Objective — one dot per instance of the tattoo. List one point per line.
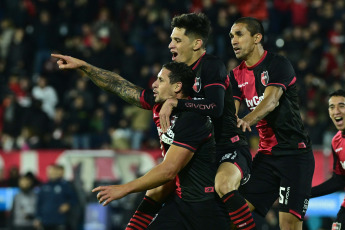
(114, 83)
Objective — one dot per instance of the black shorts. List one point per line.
(177, 214)
(287, 177)
(241, 157)
(339, 223)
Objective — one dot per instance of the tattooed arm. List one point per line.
(106, 80)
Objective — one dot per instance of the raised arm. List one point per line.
(106, 80)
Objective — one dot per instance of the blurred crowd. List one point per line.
(43, 107)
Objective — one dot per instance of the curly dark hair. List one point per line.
(197, 25)
(181, 72)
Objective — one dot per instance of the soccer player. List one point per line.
(212, 97)
(336, 109)
(188, 148)
(284, 165)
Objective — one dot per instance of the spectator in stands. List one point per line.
(54, 201)
(47, 94)
(24, 205)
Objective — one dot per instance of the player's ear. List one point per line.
(197, 44)
(177, 87)
(257, 38)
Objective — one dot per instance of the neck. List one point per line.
(255, 56)
(196, 55)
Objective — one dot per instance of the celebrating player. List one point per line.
(284, 165)
(336, 109)
(213, 97)
(188, 148)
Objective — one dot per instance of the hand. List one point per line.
(64, 208)
(244, 124)
(165, 112)
(109, 193)
(67, 62)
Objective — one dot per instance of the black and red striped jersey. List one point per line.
(213, 97)
(281, 131)
(195, 182)
(338, 149)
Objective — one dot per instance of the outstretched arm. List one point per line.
(335, 183)
(175, 160)
(106, 80)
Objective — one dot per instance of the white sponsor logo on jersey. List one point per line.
(339, 149)
(243, 84)
(251, 104)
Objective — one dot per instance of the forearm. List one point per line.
(157, 176)
(335, 183)
(113, 83)
(261, 111)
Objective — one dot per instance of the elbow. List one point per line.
(170, 172)
(271, 106)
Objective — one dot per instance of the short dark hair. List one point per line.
(339, 92)
(181, 72)
(195, 24)
(254, 26)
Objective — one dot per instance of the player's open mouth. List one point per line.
(174, 55)
(339, 120)
(237, 50)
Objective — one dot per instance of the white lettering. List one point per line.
(251, 104)
(240, 86)
(342, 164)
(339, 149)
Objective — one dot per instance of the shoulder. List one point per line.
(211, 60)
(275, 59)
(337, 137)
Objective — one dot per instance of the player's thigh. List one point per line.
(296, 172)
(262, 188)
(168, 218)
(234, 162)
(289, 221)
(205, 215)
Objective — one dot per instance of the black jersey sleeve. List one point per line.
(281, 73)
(237, 94)
(214, 83)
(191, 130)
(147, 99)
(335, 183)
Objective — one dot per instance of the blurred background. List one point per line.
(60, 119)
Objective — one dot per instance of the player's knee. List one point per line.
(290, 222)
(224, 185)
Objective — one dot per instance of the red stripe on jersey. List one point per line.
(261, 59)
(216, 84)
(293, 81)
(143, 103)
(295, 213)
(239, 169)
(187, 146)
(238, 98)
(227, 82)
(277, 84)
(178, 190)
(196, 64)
(267, 137)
